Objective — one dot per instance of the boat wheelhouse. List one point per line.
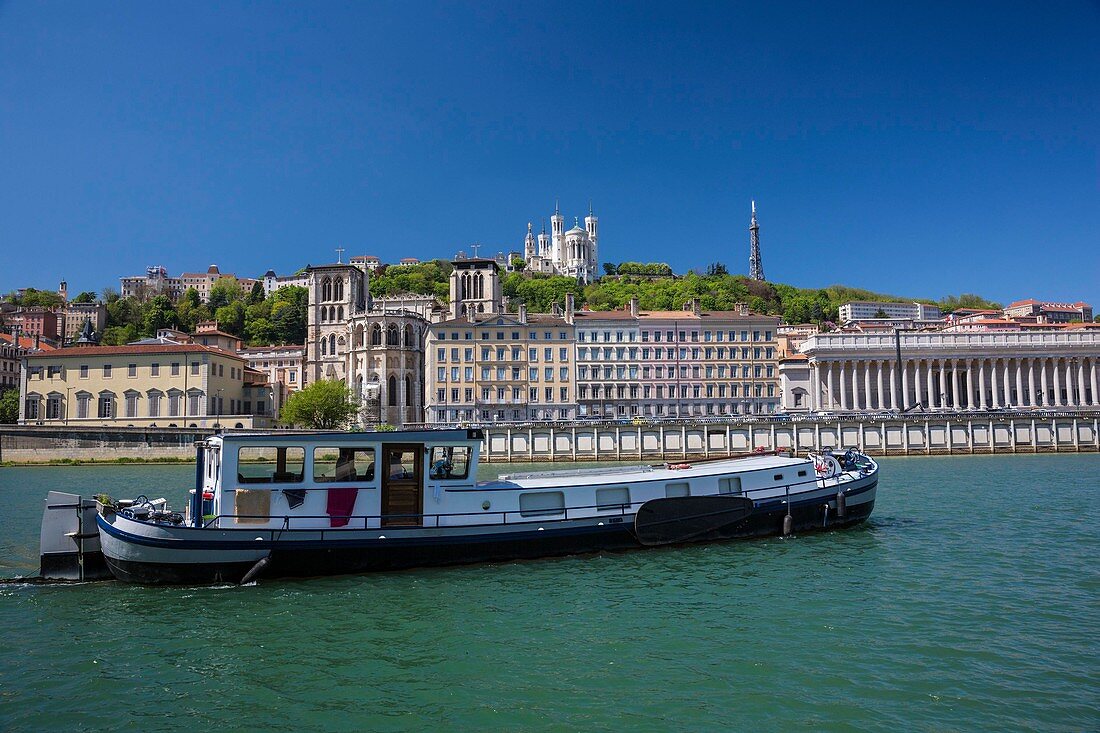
(300, 504)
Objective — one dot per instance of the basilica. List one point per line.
(572, 253)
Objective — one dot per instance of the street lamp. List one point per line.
(218, 412)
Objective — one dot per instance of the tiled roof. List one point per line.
(138, 349)
(27, 342)
(199, 334)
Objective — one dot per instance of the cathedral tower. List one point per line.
(475, 288)
(529, 250)
(557, 232)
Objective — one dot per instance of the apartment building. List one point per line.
(173, 385)
(507, 367)
(484, 364)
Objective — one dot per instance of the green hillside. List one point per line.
(715, 291)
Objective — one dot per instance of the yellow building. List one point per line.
(143, 385)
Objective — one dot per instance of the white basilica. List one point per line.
(572, 253)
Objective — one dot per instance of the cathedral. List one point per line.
(571, 253)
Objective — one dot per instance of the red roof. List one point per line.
(139, 349)
(27, 342)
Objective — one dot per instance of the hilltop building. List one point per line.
(573, 253)
(1047, 312)
(865, 310)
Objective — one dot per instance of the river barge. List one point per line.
(305, 504)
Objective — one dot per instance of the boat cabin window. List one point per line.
(680, 488)
(402, 464)
(777, 477)
(801, 473)
(271, 465)
(541, 503)
(616, 498)
(342, 464)
(729, 485)
(450, 462)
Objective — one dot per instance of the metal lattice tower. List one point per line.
(756, 267)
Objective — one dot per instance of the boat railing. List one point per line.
(595, 471)
(612, 511)
(615, 513)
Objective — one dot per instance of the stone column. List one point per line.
(1080, 366)
(881, 396)
(931, 383)
(815, 385)
(993, 382)
(918, 398)
(1032, 387)
(969, 383)
(956, 396)
(832, 395)
(853, 401)
(1057, 401)
(1092, 370)
(843, 386)
(867, 385)
(943, 384)
(1019, 383)
(981, 385)
(1070, 400)
(1044, 396)
(893, 389)
(904, 385)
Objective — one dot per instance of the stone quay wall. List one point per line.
(34, 444)
(924, 434)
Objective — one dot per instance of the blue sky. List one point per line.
(916, 149)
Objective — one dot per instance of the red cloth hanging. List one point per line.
(341, 503)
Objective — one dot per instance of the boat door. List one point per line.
(402, 485)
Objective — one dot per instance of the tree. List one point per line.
(119, 335)
(224, 292)
(9, 407)
(610, 269)
(519, 264)
(880, 313)
(159, 314)
(260, 332)
(231, 317)
(257, 295)
(86, 297)
(324, 405)
(32, 298)
(717, 268)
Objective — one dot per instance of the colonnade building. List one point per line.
(1054, 368)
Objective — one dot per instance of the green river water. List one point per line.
(970, 601)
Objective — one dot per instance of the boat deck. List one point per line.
(620, 474)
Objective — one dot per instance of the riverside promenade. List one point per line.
(915, 434)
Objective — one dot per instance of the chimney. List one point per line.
(523, 313)
(570, 306)
(634, 306)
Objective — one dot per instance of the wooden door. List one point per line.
(402, 485)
